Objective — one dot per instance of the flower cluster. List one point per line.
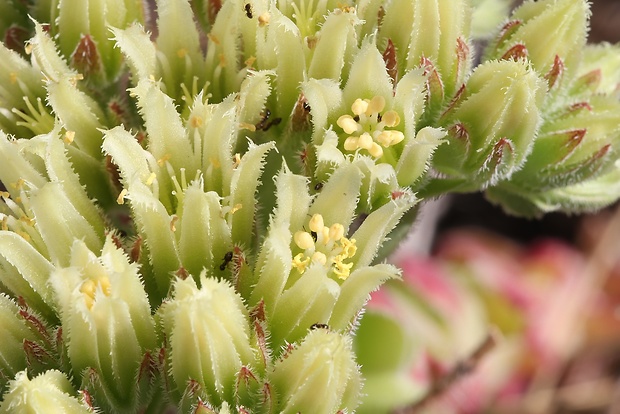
(196, 207)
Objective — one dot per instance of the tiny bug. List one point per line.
(227, 258)
(319, 326)
(248, 10)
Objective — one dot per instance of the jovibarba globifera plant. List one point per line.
(195, 208)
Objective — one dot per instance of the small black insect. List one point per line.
(319, 326)
(263, 121)
(274, 121)
(248, 10)
(227, 258)
(314, 235)
(318, 186)
(356, 118)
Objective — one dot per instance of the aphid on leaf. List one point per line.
(319, 326)
(227, 258)
(248, 10)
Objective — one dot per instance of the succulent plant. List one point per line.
(196, 207)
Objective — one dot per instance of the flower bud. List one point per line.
(599, 70)
(491, 123)
(318, 376)
(575, 146)
(50, 392)
(106, 318)
(208, 333)
(434, 33)
(15, 332)
(544, 31)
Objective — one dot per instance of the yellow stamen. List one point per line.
(299, 263)
(196, 121)
(303, 240)
(89, 289)
(151, 178)
(163, 160)
(336, 231)
(391, 119)
(263, 19)
(359, 107)
(348, 124)
(376, 105)
(69, 137)
(121, 197)
(173, 220)
(316, 223)
(376, 150)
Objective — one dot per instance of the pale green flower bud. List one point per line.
(208, 334)
(50, 392)
(82, 29)
(574, 146)
(433, 34)
(491, 124)
(544, 31)
(599, 70)
(318, 376)
(106, 319)
(14, 333)
(586, 196)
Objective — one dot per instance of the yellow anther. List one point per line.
(365, 141)
(222, 58)
(348, 124)
(376, 105)
(359, 107)
(173, 221)
(181, 53)
(28, 48)
(316, 223)
(213, 38)
(215, 162)
(250, 61)
(5, 194)
(89, 289)
(163, 160)
(196, 121)
(249, 127)
(263, 19)
(336, 231)
(69, 137)
(324, 235)
(303, 240)
(235, 208)
(121, 197)
(348, 248)
(390, 119)
(375, 150)
(350, 144)
(342, 270)
(18, 184)
(319, 257)
(236, 160)
(151, 178)
(299, 263)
